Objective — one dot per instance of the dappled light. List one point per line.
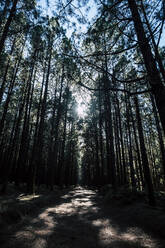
(79, 219)
(134, 236)
(82, 124)
(81, 110)
(23, 197)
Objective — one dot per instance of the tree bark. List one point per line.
(156, 85)
(7, 25)
(162, 148)
(145, 162)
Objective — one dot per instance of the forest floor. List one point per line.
(79, 218)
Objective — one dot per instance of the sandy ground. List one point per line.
(79, 220)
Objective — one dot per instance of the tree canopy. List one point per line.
(82, 94)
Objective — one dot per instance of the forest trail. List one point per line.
(79, 220)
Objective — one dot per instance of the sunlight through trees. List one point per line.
(82, 91)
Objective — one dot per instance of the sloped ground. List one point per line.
(78, 219)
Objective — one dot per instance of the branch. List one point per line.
(102, 70)
(161, 31)
(106, 8)
(109, 8)
(140, 92)
(99, 53)
(115, 89)
(102, 89)
(64, 7)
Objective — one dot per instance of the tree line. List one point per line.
(118, 61)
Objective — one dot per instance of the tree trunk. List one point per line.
(101, 139)
(145, 162)
(109, 135)
(124, 177)
(156, 85)
(157, 55)
(54, 153)
(162, 148)
(2, 89)
(10, 91)
(7, 25)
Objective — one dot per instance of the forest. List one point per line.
(82, 99)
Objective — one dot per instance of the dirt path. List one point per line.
(79, 220)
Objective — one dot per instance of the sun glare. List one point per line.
(81, 109)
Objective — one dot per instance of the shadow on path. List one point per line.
(79, 220)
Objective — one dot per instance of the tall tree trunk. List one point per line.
(101, 139)
(162, 148)
(117, 147)
(61, 164)
(7, 25)
(137, 149)
(157, 86)
(123, 167)
(97, 162)
(10, 91)
(157, 55)
(130, 143)
(4, 12)
(38, 159)
(24, 144)
(52, 130)
(2, 89)
(145, 162)
(31, 183)
(54, 155)
(110, 135)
